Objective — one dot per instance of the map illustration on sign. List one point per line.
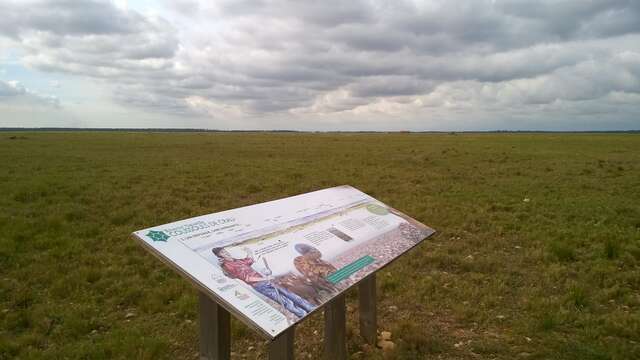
(273, 263)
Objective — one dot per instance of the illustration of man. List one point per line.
(241, 269)
(311, 265)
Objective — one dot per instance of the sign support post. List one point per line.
(281, 348)
(335, 329)
(368, 318)
(215, 334)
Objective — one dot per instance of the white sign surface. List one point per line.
(274, 263)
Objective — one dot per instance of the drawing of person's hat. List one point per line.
(304, 248)
(241, 296)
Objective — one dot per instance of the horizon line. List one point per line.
(116, 129)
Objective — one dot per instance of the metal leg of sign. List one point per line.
(281, 348)
(215, 334)
(335, 330)
(368, 319)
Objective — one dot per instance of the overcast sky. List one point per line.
(321, 65)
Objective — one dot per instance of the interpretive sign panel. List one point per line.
(272, 264)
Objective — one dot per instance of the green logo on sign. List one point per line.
(377, 209)
(157, 235)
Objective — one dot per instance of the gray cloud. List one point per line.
(325, 14)
(276, 58)
(578, 19)
(68, 17)
(91, 38)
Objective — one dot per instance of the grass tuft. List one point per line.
(611, 249)
(578, 298)
(562, 251)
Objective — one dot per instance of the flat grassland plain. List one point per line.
(537, 254)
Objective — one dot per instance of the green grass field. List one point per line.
(537, 254)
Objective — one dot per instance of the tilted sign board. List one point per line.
(272, 264)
